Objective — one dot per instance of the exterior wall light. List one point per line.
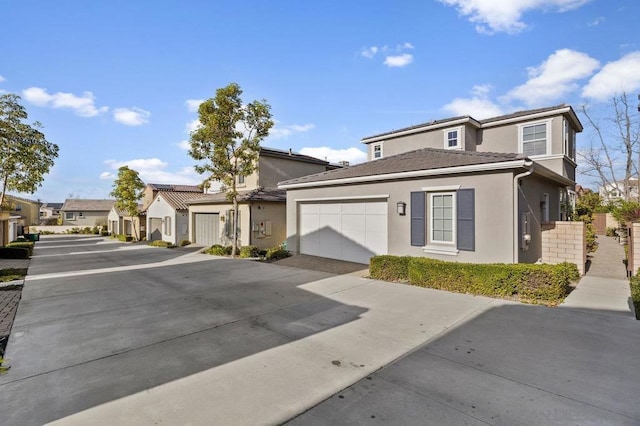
(401, 208)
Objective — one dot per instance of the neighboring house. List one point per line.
(612, 192)
(262, 220)
(120, 223)
(27, 211)
(85, 212)
(457, 189)
(167, 216)
(50, 211)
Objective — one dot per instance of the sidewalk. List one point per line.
(605, 287)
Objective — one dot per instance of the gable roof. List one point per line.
(279, 153)
(166, 187)
(123, 213)
(24, 200)
(259, 194)
(54, 206)
(177, 199)
(87, 205)
(413, 161)
(487, 122)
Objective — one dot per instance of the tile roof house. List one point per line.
(261, 220)
(85, 212)
(49, 211)
(167, 215)
(455, 189)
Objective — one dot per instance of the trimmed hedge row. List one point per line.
(24, 244)
(634, 283)
(273, 253)
(546, 284)
(14, 253)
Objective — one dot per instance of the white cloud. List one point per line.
(614, 78)
(478, 106)
(2, 79)
(279, 132)
(352, 155)
(154, 170)
(492, 16)
(193, 125)
(599, 20)
(369, 52)
(404, 46)
(193, 104)
(185, 145)
(83, 106)
(398, 61)
(131, 116)
(555, 77)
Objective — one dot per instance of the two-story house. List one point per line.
(49, 213)
(85, 212)
(455, 189)
(262, 219)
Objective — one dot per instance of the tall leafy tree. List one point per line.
(227, 143)
(128, 189)
(25, 154)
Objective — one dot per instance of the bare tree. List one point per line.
(610, 157)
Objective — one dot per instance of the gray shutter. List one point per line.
(418, 229)
(466, 220)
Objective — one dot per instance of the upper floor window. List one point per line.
(240, 179)
(452, 139)
(18, 207)
(569, 141)
(534, 139)
(377, 151)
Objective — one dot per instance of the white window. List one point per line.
(569, 141)
(377, 151)
(452, 139)
(167, 225)
(442, 206)
(69, 216)
(535, 139)
(18, 207)
(240, 179)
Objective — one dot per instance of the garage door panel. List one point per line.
(353, 231)
(206, 228)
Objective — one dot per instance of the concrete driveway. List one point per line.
(122, 334)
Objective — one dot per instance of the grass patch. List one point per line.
(160, 243)
(11, 274)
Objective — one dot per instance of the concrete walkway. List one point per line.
(605, 287)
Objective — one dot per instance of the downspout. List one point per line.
(516, 179)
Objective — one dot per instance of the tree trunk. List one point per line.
(4, 189)
(234, 243)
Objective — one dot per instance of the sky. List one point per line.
(118, 82)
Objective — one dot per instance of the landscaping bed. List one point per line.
(634, 283)
(529, 283)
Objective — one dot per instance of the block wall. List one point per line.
(564, 242)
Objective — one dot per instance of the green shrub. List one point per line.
(74, 231)
(184, 243)
(217, 250)
(124, 238)
(611, 232)
(634, 283)
(26, 244)
(104, 233)
(161, 243)
(389, 268)
(11, 274)
(276, 253)
(547, 284)
(249, 251)
(14, 253)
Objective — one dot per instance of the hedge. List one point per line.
(124, 238)
(249, 251)
(14, 253)
(25, 244)
(533, 283)
(634, 283)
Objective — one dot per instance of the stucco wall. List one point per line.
(221, 209)
(179, 221)
(493, 213)
(565, 242)
(89, 219)
(274, 169)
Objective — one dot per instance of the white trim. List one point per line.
(357, 197)
(445, 134)
(421, 129)
(416, 173)
(454, 219)
(548, 132)
(440, 188)
(449, 251)
(555, 157)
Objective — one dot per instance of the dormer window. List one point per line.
(452, 139)
(377, 151)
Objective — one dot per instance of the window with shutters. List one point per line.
(443, 221)
(167, 225)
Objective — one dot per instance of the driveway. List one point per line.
(176, 337)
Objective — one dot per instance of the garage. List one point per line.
(205, 228)
(353, 231)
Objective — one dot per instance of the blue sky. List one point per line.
(115, 82)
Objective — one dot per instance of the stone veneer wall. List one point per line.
(564, 242)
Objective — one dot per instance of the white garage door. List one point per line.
(205, 228)
(353, 231)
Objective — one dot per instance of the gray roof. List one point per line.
(259, 194)
(54, 206)
(165, 187)
(421, 159)
(86, 205)
(279, 153)
(513, 115)
(177, 199)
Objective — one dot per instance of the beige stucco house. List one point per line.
(26, 211)
(262, 219)
(86, 212)
(121, 223)
(167, 216)
(457, 189)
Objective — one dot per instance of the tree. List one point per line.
(128, 189)
(610, 159)
(25, 154)
(227, 143)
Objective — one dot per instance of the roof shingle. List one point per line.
(87, 205)
(259, 194)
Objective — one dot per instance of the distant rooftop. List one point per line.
(166, 187)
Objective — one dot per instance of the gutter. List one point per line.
(516, 180)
